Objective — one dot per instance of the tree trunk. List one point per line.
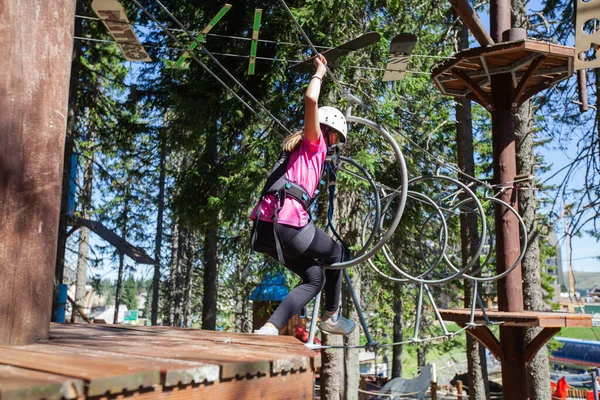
(349, 203)
(188, 279)
(178, 277)
(211, 240)
(211, 277)
(124, 222)
(84, 237)
(537, 370)
(159, 231)
(469, 238)
(332, 369)
(538, 374)
(170, 295)
(36, 47)
(398, 327)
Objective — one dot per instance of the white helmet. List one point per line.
(334, 118)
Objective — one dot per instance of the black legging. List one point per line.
(306, 266)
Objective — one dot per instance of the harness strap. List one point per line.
(281, 188)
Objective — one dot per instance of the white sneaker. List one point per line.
(342, 326)
(267, 331)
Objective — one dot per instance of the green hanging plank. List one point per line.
(203, 34)
(254, 45)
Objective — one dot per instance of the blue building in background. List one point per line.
(577, 353)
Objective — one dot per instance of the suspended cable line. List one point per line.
(437, 159)
(195, 40)
(281, 60)
(249, 39)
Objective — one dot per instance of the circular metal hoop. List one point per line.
(523, 245)
(402, 193)
(458, 273)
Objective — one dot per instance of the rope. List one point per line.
(199, 62)
(335, 80)
(378, 118)
(314, 48)
(250, 39)
(410, 341)
(195, 39)
(282, 60)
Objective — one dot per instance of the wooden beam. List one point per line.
(135, 253)
(483, 97)
(529, 75)
(542, 86)
(486, 338)
(36, 44)
(470, 18)
(534, 346)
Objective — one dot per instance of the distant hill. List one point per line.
(584, 280)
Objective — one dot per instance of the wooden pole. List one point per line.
(36, 44)
(510, 289)
(472, 21)
(433, 390)
(459, 390)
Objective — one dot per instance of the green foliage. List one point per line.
(592, 333)
(130, 293)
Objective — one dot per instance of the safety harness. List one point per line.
(281, 188)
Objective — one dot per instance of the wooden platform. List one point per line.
(534, 66)
(108, 361)
(550, 322)
(524, 318)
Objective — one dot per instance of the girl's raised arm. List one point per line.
(312, 129)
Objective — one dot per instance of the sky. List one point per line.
(585, 248)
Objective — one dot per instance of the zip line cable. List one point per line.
(314, 49)
(201, 63)
(195, 39)
(434, 158)
(207, 52)
(249, 39)
(380, 119)
(281, 60)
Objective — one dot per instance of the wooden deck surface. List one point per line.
(524, 318)
(110, 361)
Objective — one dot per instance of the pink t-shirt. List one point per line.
(304, 168)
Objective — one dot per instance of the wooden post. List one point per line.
(363, 387)
(510, 289)
(459, 390)
(433, 390)
(36, 45)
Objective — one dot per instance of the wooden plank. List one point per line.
(485, 336)
(222, 348)
(100, 377)
(501, 53)
(525, 80)
(18, 384)
(540, 339)
(173, 372)
(135, 253)
(287, 342)
(234, 361)
(290, 386)
(524, 318)
(483, 97)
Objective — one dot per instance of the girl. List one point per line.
(285, 231)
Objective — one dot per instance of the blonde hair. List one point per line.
(291, 142)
